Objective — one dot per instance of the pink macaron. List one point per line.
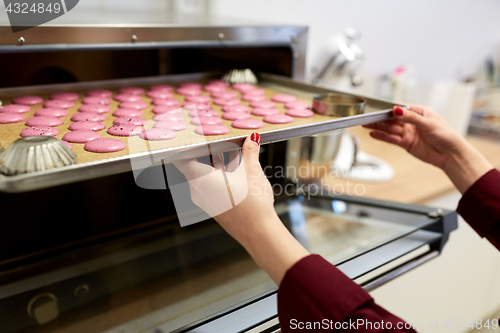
(198, 99)
(159, 94)
(127, 113)
(155, 134)
(223, 101)
(39, 131)
(283, 98)
(235, 115)
(134, 105)
(51, 112)
(96, 100)
(168, 117)
(100, 93)
(253, 98)
(131, 91)
(28, 100)
(60, 104)
(171, 125)
(263, 104)
(297, 105)
(15, 108)
(264, 112)
(44, 121)
(86, 126)
(8, 118)
(188, 91)
(81, 136)
(88, 116)
(243, 86)
(300, 113)
(165, 108)
(235, 108)
(166, 102)
(94, 108)
(128, 98)
(104, 145)
(211, 130)
(206, 121)
(137, 121)
(162, 87)
(65, 96)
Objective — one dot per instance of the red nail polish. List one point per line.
(398, 111)
(255, 137)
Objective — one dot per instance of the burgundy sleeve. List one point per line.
(316, 293)
(480, 206)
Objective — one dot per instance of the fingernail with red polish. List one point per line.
(398, 111)
(255, 137)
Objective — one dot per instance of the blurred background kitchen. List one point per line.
(445, 54)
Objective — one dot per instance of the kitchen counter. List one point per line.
(414, 181)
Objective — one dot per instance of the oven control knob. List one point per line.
(43, 308)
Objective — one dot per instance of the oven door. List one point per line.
(370, 241)
(168, 278)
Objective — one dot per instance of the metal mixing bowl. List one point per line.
(311, 157)
(35, 153)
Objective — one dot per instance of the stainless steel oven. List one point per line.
(84, 249)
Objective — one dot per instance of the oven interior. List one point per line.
(39, 68)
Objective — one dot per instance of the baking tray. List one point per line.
(140, 153)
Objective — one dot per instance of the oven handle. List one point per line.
(249, 318)
(368, 286)
(272, 326)
(380, 280)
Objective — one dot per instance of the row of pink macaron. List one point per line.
(156, 90)
(45, 119)
(49, 116)
(129, 117)
(55, 108)
(102, 96)
(101, 106)
(229, 115)
(217, 88)
(233, 110)
(130, 97)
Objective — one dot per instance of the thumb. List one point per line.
(192, 169)
(250, 153)
(413, 116)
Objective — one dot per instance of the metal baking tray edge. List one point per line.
(86, 171)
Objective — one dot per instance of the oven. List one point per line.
(83, 248)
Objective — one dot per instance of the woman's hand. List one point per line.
(427, 136)
(246, 184)
(422, 132)
(251, 219)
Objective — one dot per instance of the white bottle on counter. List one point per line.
(403, 84)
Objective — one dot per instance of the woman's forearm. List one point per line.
(466, 167)
(273, 248)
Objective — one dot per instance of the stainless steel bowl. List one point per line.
(338, 105)
(311, 157)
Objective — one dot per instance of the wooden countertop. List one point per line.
(414, 181)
